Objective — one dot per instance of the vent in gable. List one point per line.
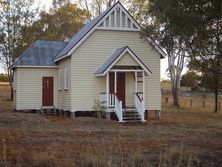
(118, 19)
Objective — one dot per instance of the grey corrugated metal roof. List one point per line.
(41, 53)
(76, 38)
(114, 56)
(110, 60)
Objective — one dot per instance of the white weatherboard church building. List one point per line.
(107, 59)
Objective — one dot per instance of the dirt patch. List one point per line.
(179, 138)
(58, 119)
(32, 139)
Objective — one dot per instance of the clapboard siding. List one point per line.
(127, 60)
(14, 85)
(29, 87)
(64, 96)
(95, 51)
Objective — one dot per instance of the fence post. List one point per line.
(191, 103)
(166, 100)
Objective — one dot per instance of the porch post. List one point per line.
(115, 83)
(143, 95)
(143, 86)
(107, 89)
(135, 89)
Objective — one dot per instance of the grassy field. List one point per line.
(181, 137)
(194, 103)
(5, 103)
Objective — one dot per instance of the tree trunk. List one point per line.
(12, 93)
(10, 83)
(175, 97)
(216, 92)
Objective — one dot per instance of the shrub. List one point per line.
(3, 78)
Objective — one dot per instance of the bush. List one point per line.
(4, 78)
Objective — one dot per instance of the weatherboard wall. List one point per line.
(14, 85)
(64, 95)
(97, 48)
(127, 60)
(29, 87)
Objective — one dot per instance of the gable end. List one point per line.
(104, 21)
(119, 18)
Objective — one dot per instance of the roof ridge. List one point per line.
(78, 36)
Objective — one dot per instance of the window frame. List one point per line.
(65, 79)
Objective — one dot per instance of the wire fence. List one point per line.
(194, 103)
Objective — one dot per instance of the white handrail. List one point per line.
(115, 103)
(139, 104)
(118, 109)
(111, 99)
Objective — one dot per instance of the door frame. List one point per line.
(121, 87)
(52, 90)
(118, 86)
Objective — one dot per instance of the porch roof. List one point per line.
(111, 61)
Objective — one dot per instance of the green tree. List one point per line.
(59, 3)
(21, 24)
(57, 24)
(3, 78)
(205, 44)
(206, 78)
(156, 18)
(14, 14)
(95, 7)
(190, 79)
(197, 25)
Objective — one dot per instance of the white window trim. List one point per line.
(66, 79)
(60, 75)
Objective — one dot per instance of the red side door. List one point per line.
(47, 91)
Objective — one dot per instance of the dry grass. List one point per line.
(166, 86)
(5, 102)
(193, 103)
(180, 138)
(33, 140)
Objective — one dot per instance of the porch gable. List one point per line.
(126, 60)
(122, 56)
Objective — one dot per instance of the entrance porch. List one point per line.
(115, 96)
(120, 90)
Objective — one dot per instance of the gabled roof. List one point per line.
(90, 27)
(116, 56)
(76, 38)
(40, 53)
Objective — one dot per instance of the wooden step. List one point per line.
(48, 110)
(132, 121)
(131, 115)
